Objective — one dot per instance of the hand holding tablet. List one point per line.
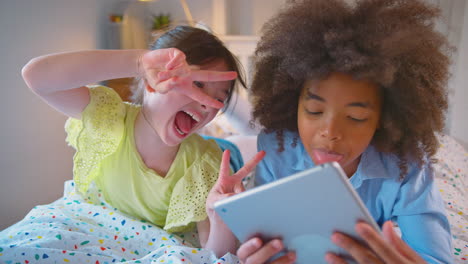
(303, 210)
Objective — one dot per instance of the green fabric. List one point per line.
(106, 153)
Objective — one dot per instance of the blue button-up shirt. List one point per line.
(413, 202)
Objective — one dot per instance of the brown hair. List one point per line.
(392, 43)
(199, 47)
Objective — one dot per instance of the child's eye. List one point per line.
(198, 84)
(357, 119)
(313, 113)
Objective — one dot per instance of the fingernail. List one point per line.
(329, 258)
(362, 229)
(256, 243)
(277, 244)
(337, 238)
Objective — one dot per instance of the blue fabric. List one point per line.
(414, 202)
(236, 161)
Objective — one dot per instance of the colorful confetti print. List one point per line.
(77, 230)
(452, 180)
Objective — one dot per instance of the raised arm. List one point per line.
(59, 79)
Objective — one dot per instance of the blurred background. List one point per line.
(34, 158)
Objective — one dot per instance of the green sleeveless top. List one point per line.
(106, 154)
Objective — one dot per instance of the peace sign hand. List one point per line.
(167, 70)
(227, 184)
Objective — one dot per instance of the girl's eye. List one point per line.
(198, 84)
(313, 113)
(357, 119)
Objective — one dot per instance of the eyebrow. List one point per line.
(312, 96)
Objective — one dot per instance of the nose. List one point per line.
(331, 131)
(209, 91)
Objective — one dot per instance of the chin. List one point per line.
(172, 142)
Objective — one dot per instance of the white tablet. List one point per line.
(303, 209)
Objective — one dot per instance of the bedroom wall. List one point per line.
(34, 159)
(459, 124)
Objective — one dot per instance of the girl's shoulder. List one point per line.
(97, 134)
(270, 141)
(288, 151)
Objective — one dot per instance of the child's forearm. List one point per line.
(220, 239)
(63, 71)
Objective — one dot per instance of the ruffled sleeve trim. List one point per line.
(188, 201)
(96, 135)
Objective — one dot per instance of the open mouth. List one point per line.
(185, 121)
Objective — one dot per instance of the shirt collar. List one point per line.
(373, 164)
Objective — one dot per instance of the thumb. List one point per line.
(176, 58)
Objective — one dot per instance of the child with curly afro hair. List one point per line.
(364, 85)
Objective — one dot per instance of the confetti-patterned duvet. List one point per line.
(77, 230)
(452, 180)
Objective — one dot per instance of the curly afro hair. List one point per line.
(391, 43)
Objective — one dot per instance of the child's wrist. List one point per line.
(140, 71)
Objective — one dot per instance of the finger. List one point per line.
(228, 182)
(249, 166)
(203, 98)
(225, 169)
(152, 77)
(248, 248)
(359, 252)
(224, 173)
(264, 253)
(287, 258)
(168, 85)
(399, 245)
(194, 67)
(213, 76)
(160, 58)
(377, 243)
(334, 259)
(176, 59)
(239, 188)
(182, 72)
(185, 86)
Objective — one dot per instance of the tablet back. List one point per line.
(303, 209)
